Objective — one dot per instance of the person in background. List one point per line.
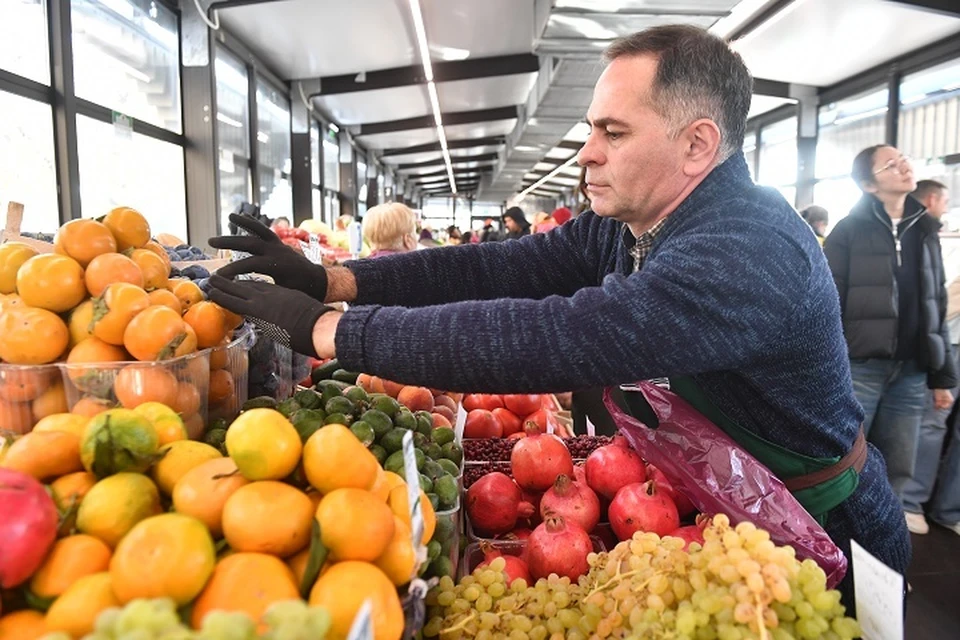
(561, 215)
(390, 228)
(426, 239)
(542, 223)
(886, 263)
(489, 233)
(282, 222)
(454, 237)
(468, 237)
(516, 224)
(818, 219)
(945, 504)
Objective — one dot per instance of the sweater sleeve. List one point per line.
(560, 262)
(837, 249)
(707, 301)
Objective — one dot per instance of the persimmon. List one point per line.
(12, 255)
(115, 309)
(155, 333)
(167, 299)
(108, 268)
(129, 227)
(51, 281)
(137, 384)
(31, 336)
(208, 321)
(84, 240)
(156, 272)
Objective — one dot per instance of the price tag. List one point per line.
(879, 593)
(355, 238)
(362, 627)
(461, 422)
(413, 496)
(122, 126)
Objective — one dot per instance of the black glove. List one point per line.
(271, 257)
(284, 315)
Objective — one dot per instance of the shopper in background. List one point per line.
(561, 215)
(489, 233)
(543, 222)
(516, 223)
(390, 228)
(454, 237)
(886, 262)
(683, 269)
(945, 506)
(818, 219)
(282, 222)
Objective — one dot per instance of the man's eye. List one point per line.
(613, 135)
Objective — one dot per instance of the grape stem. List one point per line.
(460, 625)
(760, 623)
(619, 578)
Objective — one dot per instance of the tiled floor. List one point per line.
(933, 608)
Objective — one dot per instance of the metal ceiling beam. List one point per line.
(427, 122)
(443, 71)
(759, 19)
(570, 144)
(434, 180)
(455, 160)
(944, 7)
(229, 4)
(443, 172)
(451, 144)
(584, 11)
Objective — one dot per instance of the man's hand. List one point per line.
(942, 399)
(285, 315)
(270, 256)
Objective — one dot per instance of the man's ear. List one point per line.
(702, 145)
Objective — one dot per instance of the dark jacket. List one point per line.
(735, 292)
(516, 214)
(862, 253)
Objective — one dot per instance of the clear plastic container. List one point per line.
(473, 555)
(29, 393)
(181, 383)
(447, 533)
(229, 375)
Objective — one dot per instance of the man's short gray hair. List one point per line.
(698, 76)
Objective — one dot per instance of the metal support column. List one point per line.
(300, 153)
(806, 97)
(201, 159)
(64, 109)
(893, 105)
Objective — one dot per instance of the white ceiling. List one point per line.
(812, 42)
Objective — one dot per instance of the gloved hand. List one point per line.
(284, 315)
(271, 257)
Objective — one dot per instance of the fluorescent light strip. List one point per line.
(432, 87)
(548, 176)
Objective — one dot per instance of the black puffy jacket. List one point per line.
(862, 253)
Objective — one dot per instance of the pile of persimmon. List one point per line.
(103, 296)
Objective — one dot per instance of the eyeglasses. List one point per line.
(896, 165)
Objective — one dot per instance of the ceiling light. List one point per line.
(548, 176)
(431, 87)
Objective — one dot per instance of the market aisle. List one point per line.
(932, 611)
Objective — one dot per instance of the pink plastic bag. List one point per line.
(721, 477)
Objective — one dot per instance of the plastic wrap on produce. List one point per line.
(721, 477)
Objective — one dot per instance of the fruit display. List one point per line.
(737, 584)
(504, 416)
(98, 323)
(499, 449)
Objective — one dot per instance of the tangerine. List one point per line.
(343, 589)
(77, 609)
(268, 517)
(115, 504)
(203, 491)
(265, 445)
(69, 559)
(247, 583)
(354, 524)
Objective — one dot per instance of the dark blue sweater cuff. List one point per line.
(369, 281)
(350, 337)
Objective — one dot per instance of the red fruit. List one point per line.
(580, 474)
(517, 435)
(508, 420)
(494, 504)
(538, 459)
(533, 498)
(519, 533)
(574, 501)
(440, 421)
(415, 398)
(446, 412)
(559, 547)
(522, 404)
(684, 506)
(481, 424)
(613, 467)
(28, 527)
(393, 389)
(444, 401)
(540, 418)
(691, 533)
(486, 401)
(515, 567)
(641, 507)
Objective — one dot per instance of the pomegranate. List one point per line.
(684, 506)
(642, 507)
(580, 473)
(534, 498)
(481, 424)
(517, 435)
(515, 567)
(520, 533)
(538, 459)
(613, 466)
(691, 533)
(28, 527)
(559, 547)
(508, 420)
(575, 501)
(494, 504)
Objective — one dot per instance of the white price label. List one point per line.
(461, 422)
(413, 489)
(362, 627)
(879, 593)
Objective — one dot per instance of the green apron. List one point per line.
(818, 500)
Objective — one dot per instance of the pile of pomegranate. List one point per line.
(555, 506)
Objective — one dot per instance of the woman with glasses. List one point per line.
(886, 261)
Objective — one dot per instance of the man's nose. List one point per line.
(589, 153)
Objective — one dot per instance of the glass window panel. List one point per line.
(361, 179)
(233, 107)
(314, 153)
(778, 154)
(317, 204)
(848, 126)
(331, 207)
(126, 57)
(837, 196)
(750, 151)
(234, 190)
(27, 167)
(118, 169)
(23, 39)
(331, 161)
(273, 149)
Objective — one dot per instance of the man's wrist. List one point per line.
(325, 334)
(341, 285)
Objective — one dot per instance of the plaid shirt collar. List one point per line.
(642, 245)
